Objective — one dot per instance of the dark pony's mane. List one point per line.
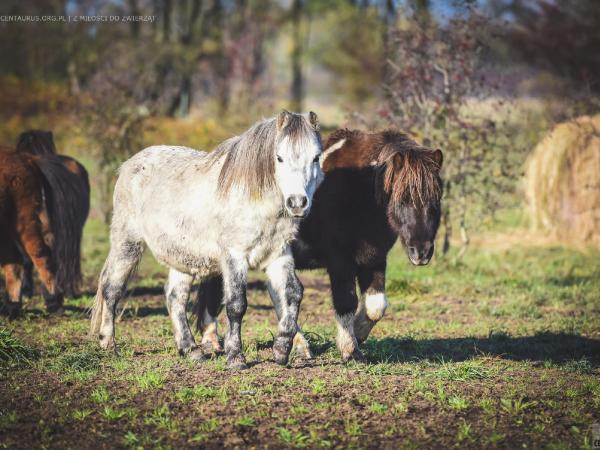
(406, 170)
(36, 142)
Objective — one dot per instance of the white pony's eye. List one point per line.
(316, 160)
(279, 158)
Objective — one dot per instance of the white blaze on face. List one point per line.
(297, 170)
(375, 304)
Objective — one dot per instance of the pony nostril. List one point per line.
(296, 201)
(429, 251)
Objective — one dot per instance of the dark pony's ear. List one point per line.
(283, 119)
(314, 120)
(438, 157)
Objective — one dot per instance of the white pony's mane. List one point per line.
(249, 159)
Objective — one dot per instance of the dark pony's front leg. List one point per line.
(371, 281)
(10, 259)
(27, 284)
(34, 233)
(235, 273)
(345, 303)
(286, 292)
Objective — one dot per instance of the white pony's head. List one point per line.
(297, 160)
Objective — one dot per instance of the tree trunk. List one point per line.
(166, 13)
(134, 10)
(388, 36)
(446, 222)
(297, 88)
(421, 10)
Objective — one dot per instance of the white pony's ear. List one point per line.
(283, 119)
(331, 149)
(314, 120)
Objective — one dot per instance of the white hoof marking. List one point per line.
(375, 305)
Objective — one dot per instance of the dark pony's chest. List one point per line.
(346, 221)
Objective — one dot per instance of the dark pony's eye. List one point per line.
(279, 158)
(316, 160)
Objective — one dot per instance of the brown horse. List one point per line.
(378, 187)
(25, 228)
(44, 199)
(71, 193)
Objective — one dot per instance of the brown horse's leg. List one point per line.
(371, 282)
(13, 275)
(31, 235)
(345, 303)
(27, 288)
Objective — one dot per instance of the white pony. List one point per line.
(225, 212)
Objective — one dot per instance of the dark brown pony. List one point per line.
(378, 187)
(25, 228)
(71, 193)
(44, 200)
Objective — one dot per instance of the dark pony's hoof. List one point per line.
(54, 304)
(210, 349)
(237, 362)
(355, 356)
(196, 355)
(12, 310)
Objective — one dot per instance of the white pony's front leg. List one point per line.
(300, 344)
(235, 272)
(286, 290)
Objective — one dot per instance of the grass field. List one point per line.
(501, 349)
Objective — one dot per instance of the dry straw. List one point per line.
(563, 181)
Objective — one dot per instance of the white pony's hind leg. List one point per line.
(122, 260)
(177, 293)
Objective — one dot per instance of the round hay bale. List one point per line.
(563, 181)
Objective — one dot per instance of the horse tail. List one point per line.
(208, 299)
(67, 201)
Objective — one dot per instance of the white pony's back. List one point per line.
(168, 197)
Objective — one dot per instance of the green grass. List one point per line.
(100, 395)
(197, 392)
(500, 347)
(458, 403)
(13, 352)
(149, 380)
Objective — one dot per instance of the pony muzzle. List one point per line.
(420, 255)
(297, 205)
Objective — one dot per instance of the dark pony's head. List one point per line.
(36, 142)
(409, 183)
